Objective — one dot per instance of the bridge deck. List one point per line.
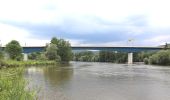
(78, 48)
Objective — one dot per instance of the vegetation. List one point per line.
(87, 56)
(1, 55)
(115, 57)
(58, 50)
(12, 85)
(13, 63)
(51, 52)
(63, 49)
(101, 56)
(109, 56)
(34, 55)
(14, 50)
(142, 56)
(160, 58)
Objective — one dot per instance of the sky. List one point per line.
(86, 22)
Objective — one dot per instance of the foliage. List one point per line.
(37, 56)
(146, 60)
(1, 55)
(106, 56)
(87, 56)
(101, 56)
(64, 49)
(160, 58)
(14, 50)
(166, 46)
(140, 56)
(13, 85)
(51, 52)
(109, 56)
(13, 63)
(34, 55)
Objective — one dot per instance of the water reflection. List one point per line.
(58, 75)
(101, 81)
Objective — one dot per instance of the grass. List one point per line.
(12, 63)
(13, 85)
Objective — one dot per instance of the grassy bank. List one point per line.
(12, 63)
(13, 85)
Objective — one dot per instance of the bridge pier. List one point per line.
(25, 56)
(130, 58)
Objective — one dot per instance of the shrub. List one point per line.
(14, 50)
(160, 58)
(146, 60)
(12, 85)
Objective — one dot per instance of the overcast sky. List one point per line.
(86, 22)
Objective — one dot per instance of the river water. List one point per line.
(100, 81)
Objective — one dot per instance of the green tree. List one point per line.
(1, 55)
(14, 50)
(87, 56)
(166, 46)
(34, 55)
(64, 49)
(107, 56)
(51, 52)
(160, 58)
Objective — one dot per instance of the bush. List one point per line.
(146, 60)
(160, 58)
(51, 52)
(1, 55)
(14, 50)
(63, 49)
(12, 85)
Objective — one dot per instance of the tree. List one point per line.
(64, 49)
(14, 50)
(166, 46)
(34, 55)
(88, 56)
(106, 56)
(51, 52)
(160, 58)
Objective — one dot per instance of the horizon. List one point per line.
(86, 22)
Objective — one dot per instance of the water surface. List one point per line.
(100, 81)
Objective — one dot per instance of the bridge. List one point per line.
(129, 50)
(83, 48)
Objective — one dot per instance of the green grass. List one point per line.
(13, 63)
(13, 85)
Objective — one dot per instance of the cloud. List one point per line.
(8, 33)
(92, 22)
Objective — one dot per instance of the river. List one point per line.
(100, 81)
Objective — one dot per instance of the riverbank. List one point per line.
(12, 85)
(12, 63)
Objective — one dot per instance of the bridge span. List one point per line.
(129, 50)
(83, 48)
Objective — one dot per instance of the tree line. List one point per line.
(158, 58)
(100, 56)
(57, 49)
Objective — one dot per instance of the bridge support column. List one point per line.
(130, 58)
(25, 56)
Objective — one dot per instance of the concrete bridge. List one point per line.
(83, 48)
(129, 50)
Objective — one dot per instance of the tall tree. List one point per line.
(64, 49)
(166, 46)
(14, 50)
(51, 52)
